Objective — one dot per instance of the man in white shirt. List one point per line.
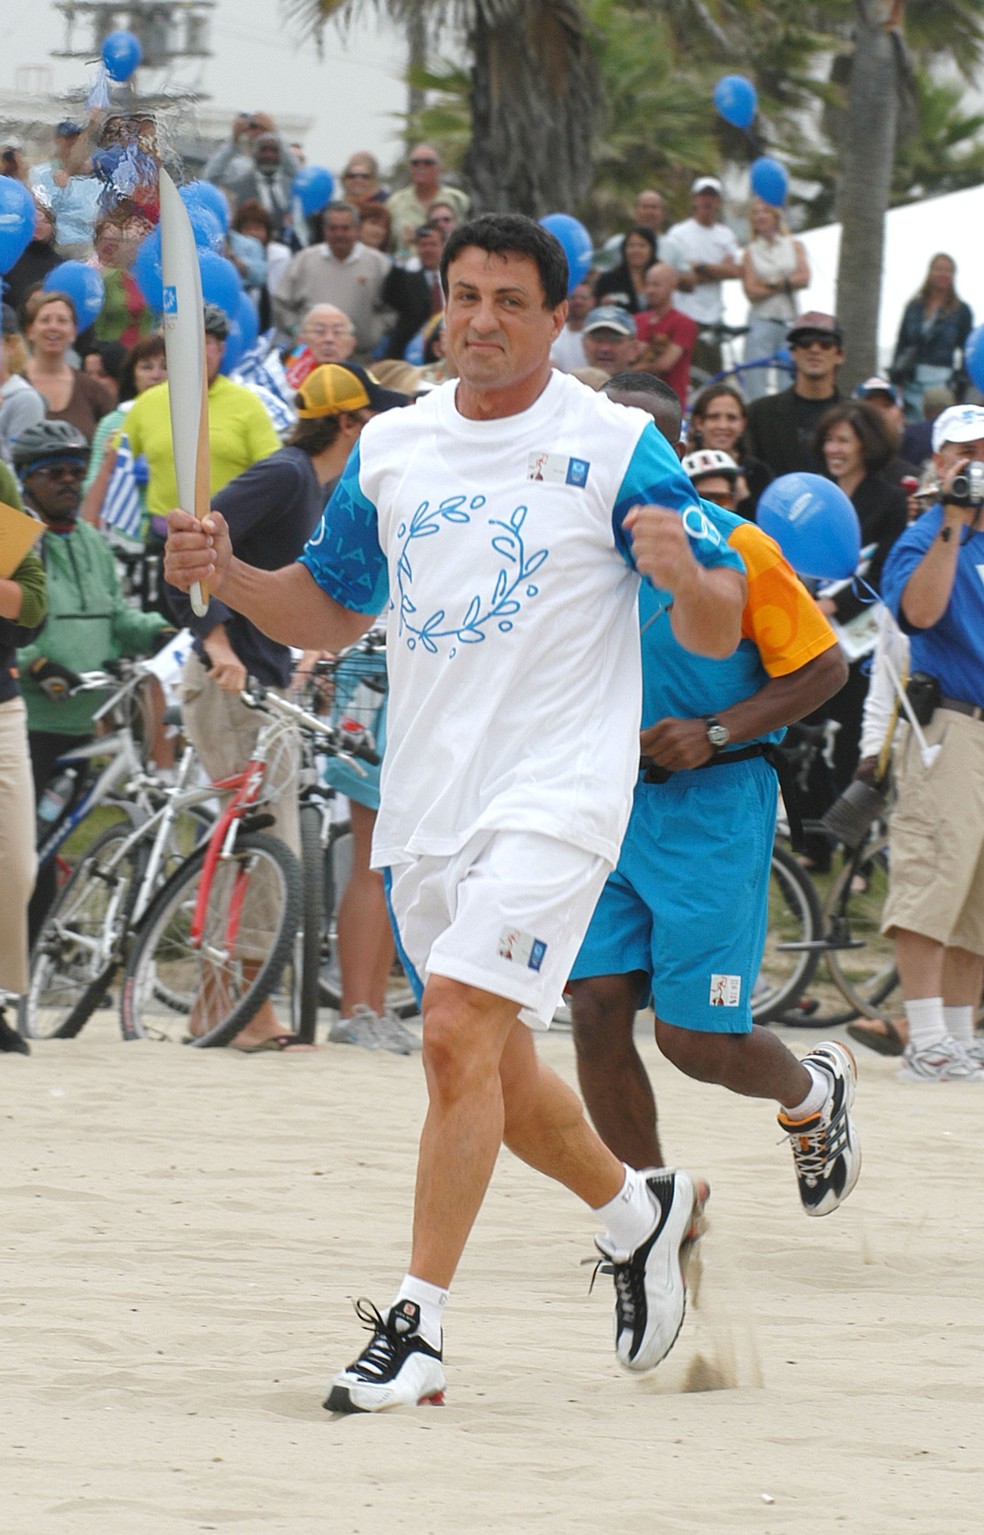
(567, 352)
(340, 271)
(705, 254)
(498, 527)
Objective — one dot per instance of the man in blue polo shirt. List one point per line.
(933, 582)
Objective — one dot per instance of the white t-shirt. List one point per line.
(690, 242)
(512, 637)
(567, 352)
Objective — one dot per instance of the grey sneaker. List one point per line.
(360, 1029)
(393, 1034)
(946, 1061)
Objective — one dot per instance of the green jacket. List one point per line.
(89, 623)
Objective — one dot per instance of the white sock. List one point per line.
(629, 1216)
(959, 1023)
(815, 1098)
(926, 1023)
(432, 1300)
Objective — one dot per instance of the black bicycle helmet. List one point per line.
(47, 441)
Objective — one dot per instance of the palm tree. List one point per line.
(535, 92)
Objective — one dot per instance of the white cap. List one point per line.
(958, 423)
(706, 184)
(701, 464)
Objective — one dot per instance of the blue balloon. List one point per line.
(232, 353)
(84, 286)
(769, 180)
(814, 524)
(211, 197)
(313, 187)
(17, 214)
(576, 242)
(121, 53)
(221, 283)
(208, 232)
(248, 321)
(974, 357)
(146, 270)
(736, 100)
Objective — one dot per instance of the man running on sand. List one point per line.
(501, 522)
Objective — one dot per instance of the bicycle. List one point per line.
(725, 336)
(215, 940)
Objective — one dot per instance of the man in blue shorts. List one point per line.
(683, 917)
(500, 524)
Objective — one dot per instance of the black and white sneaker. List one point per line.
(396, 1369)
(826, 1149)
(650, 1283)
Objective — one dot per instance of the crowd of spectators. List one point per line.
(358, 285)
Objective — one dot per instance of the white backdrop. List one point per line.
(913, 235)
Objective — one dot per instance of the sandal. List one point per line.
(884, 1041)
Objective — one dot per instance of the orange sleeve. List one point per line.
(780, 617)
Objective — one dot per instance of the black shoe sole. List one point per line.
(339, 1399)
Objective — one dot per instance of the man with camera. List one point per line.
(933, 583)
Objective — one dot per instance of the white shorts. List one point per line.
(506, 913)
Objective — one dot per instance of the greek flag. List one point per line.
(121, 507)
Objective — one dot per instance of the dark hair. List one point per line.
(954, 301)
(427, 229)
(147, 346)
(512, 234)
(314, 436)
(645, 234)
(252, 211)
(710, 394)
(110, 353)
(667, 411)
(867, 424)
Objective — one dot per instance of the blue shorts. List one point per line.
(688, 904)
(360, 695)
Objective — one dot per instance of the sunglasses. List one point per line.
(421, 161)
(814, 338)
(61, 472)
(356, 175)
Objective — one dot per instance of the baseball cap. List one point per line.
(330, 389)
(878, 386)
(610, 317)
(961, 423)
(9, 142)
(706, 184)
(818, 323)
(707, 461)
(67, 129)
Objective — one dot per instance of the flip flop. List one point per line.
(276, 1043)
(884, 1041)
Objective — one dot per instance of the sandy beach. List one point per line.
(184, 1232)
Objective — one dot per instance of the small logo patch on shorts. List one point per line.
(725, 991)
(522, 948)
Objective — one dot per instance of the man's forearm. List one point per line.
(290, 607)
(706, 613)
(785, 699)
(929, 588)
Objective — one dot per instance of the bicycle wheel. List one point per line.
(400, 997)
(78, 948)
(299, 982)
(213, 980)
(794, 918)
(865, 975)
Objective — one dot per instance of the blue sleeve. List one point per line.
(343, 553)
(654, 475)
(906, 553)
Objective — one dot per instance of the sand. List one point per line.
(184, 1231)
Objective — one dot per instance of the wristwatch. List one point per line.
(717, 734)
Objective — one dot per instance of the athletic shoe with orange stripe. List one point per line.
(826, 1149)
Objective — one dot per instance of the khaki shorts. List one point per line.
(506, 914)
(936, 835)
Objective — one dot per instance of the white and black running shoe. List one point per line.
(396, 1369)
(650, 1284)
(826, 1149)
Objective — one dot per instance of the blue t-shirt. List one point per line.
(952, 650)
